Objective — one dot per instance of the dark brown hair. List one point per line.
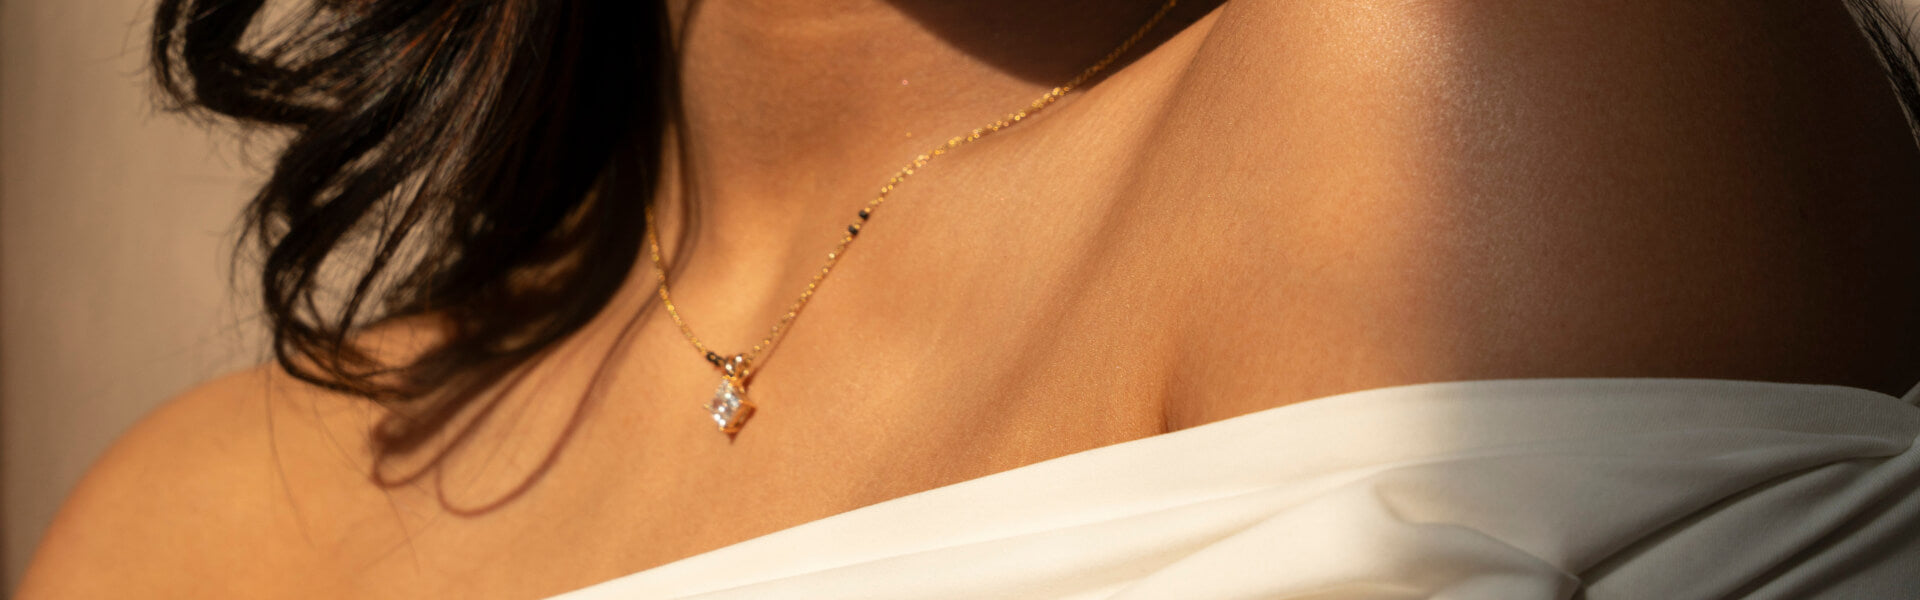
(441, 150)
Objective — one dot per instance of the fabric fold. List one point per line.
(1547, 488)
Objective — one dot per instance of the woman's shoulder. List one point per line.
(1593, 97)
(253, 484)
(1398, 192)
(1507, 97)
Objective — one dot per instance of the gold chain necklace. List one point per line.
(729, 406)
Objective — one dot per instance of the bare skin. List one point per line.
(1285, 201)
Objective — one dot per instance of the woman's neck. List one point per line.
(795, 110)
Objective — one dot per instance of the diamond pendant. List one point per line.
(729, 406)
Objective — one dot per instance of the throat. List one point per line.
(783, 100)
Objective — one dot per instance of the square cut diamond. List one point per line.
(729, 406)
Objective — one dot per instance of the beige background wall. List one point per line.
(114, 224)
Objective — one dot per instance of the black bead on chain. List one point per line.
(716, 360)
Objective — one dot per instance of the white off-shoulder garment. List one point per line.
(1553, 488)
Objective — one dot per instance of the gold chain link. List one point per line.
(866, 213)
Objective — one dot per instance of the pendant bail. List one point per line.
(735, 367)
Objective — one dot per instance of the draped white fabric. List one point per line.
(1520, 489)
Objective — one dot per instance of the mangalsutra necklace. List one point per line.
(729, 406)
